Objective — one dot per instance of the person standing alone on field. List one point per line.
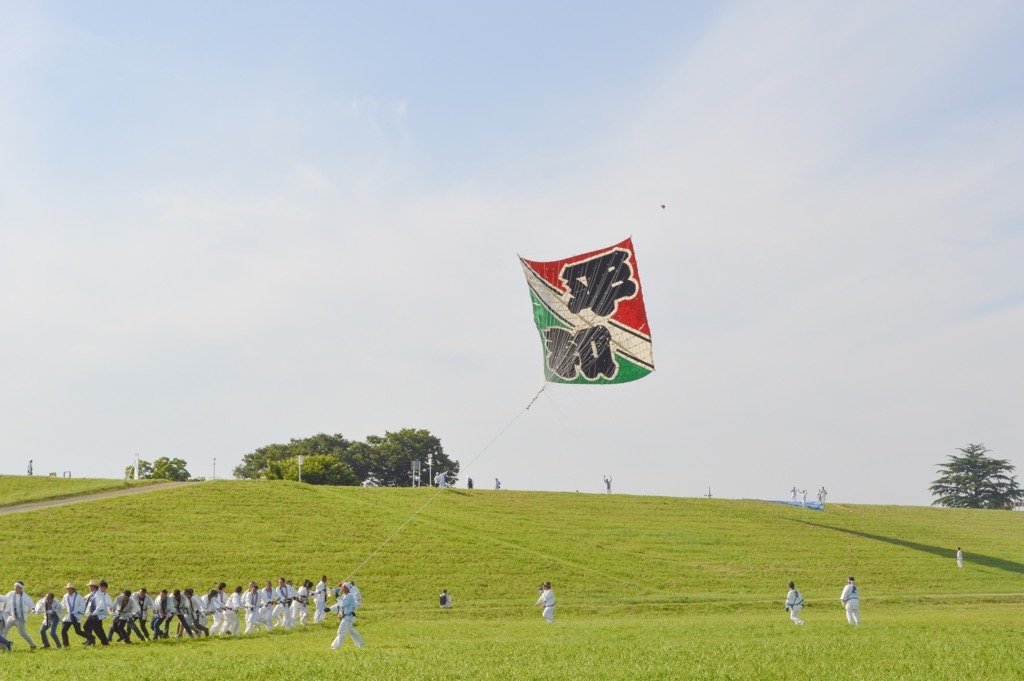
(445, 600)
(794, 603)
(850, 599)
(959, 557)
(547, 602)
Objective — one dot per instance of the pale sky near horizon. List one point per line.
(227, 224)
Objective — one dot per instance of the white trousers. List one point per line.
(347, 628)
(300, 613)
(549, 614)
(283, 613)
(253, 620)
(321, 611)
(231, 624)
(794, 614)
(20, 624)
(853, 611)
(218, 622)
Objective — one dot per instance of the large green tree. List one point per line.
(258, 464)
(974, 480)
(163, 468)
(332, 460)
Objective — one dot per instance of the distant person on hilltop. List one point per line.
(822, 493)
(804, 493)
(792, 492)
(497, 484)
(794, 603)
(959, 557)
(547, 602)
(608, 484)
(469, 483)
(850, 599)
(30, 466)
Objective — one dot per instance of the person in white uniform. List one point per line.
(252, 604)
(547, 602)
(232, 606)
(850, 599)
(268, 602)
(320, 600)
(16, 609)
(794, 603)
(346, 608)
(959, 557)
(283, 609)
(300, 606)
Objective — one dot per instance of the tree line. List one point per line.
(335, 460)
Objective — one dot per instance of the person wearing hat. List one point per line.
(97, 607)
(794, 603)
(547, 602)
(16, 609)
(74, 613)
(850, 599)
(50, 608)
(346, 608)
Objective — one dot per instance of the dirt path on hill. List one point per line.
(93, 496)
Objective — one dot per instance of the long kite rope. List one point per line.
(433, 496)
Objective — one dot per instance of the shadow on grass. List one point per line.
(942, 551)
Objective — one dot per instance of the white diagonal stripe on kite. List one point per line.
(624, 339)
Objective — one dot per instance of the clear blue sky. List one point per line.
(228, 224)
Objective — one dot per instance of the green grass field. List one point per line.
(20, 489)
(648, 587)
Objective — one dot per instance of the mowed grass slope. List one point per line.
(21, 489)
(648, 587)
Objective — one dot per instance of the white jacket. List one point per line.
(55, 605)
(73, 605)
(18, 605)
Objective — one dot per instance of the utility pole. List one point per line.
(299, 459)
(214, 468)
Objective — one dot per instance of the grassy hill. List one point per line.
(20, 489)
(647, 586)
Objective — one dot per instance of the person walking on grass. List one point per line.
(547, 602)
(850, 599)
(50, 608)
(959, 557)
(794, 603)
(97, 607)
(347, 612)
(252, 603)
(232, 606)
(145, 603)
(19, 605)
(74, 613)
(320, 599)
